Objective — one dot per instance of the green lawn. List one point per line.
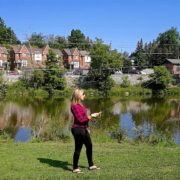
(53, 160)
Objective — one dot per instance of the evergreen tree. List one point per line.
(166, 45)
(57, 42)
(37, 40)
(140, 56)
(78, 39)
(53, 78)
(7, 35)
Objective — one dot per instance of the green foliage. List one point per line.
(140, 58)
(40, 94)
(1, 78)
(17, 90)
(3, 90)
(78, 39)
(103, 61)
(119, 134)
(37, 40)
(160, 79)
(156, 138)
(53, 77)
(7, 35)
(37, 79)
(58, 94)
(166, 45)
(57, 42)
(126, 82)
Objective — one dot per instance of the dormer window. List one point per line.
(23, 55)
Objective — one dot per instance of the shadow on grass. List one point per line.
(58, 164)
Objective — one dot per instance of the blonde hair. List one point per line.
(76, 96)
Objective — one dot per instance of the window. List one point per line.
(76, 64)
(87, 59)
(23, 55)
(38, 57)
(24, 63)
(37, 61)
(178, 68)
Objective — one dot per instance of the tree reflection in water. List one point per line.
(52, 119)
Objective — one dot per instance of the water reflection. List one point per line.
(23, 120)
(23, 134)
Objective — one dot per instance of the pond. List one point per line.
(24, 120)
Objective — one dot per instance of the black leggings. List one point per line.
(81, 136)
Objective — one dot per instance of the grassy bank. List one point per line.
(53, 160)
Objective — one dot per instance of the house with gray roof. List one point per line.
(173, 65)
(74, 59)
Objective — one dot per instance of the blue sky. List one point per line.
(121, 22)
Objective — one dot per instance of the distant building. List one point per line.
(20, 57)
(23, 57)
(38, 56)
(173, 65)
(3, 57)
(76, 59)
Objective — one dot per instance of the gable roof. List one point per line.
(73, 50)
(70, 52)
(18, 48)
(174, 61)
(67, 51)
(84, 53)
(35, 50)
(57, 52)
(45, 49)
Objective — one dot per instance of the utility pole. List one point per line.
(29, 47)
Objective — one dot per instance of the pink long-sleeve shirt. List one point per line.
(79, 112)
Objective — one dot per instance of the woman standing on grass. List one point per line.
(79, 129)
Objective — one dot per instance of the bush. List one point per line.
(126, 82)
(40, 94)
(17, 90)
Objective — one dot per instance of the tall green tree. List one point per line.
(140, 56)
(160, 79)
(104, 60)
(57, 42)
(53, 77)
(78, 39)
(37, 40)
(37, 79)
(167, 45)
(7, 35)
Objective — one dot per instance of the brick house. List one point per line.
(38, 56)
(45, 52)
(3, 57)
(23, 57)
(173, 65)
(75, 59)
(20, 57)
